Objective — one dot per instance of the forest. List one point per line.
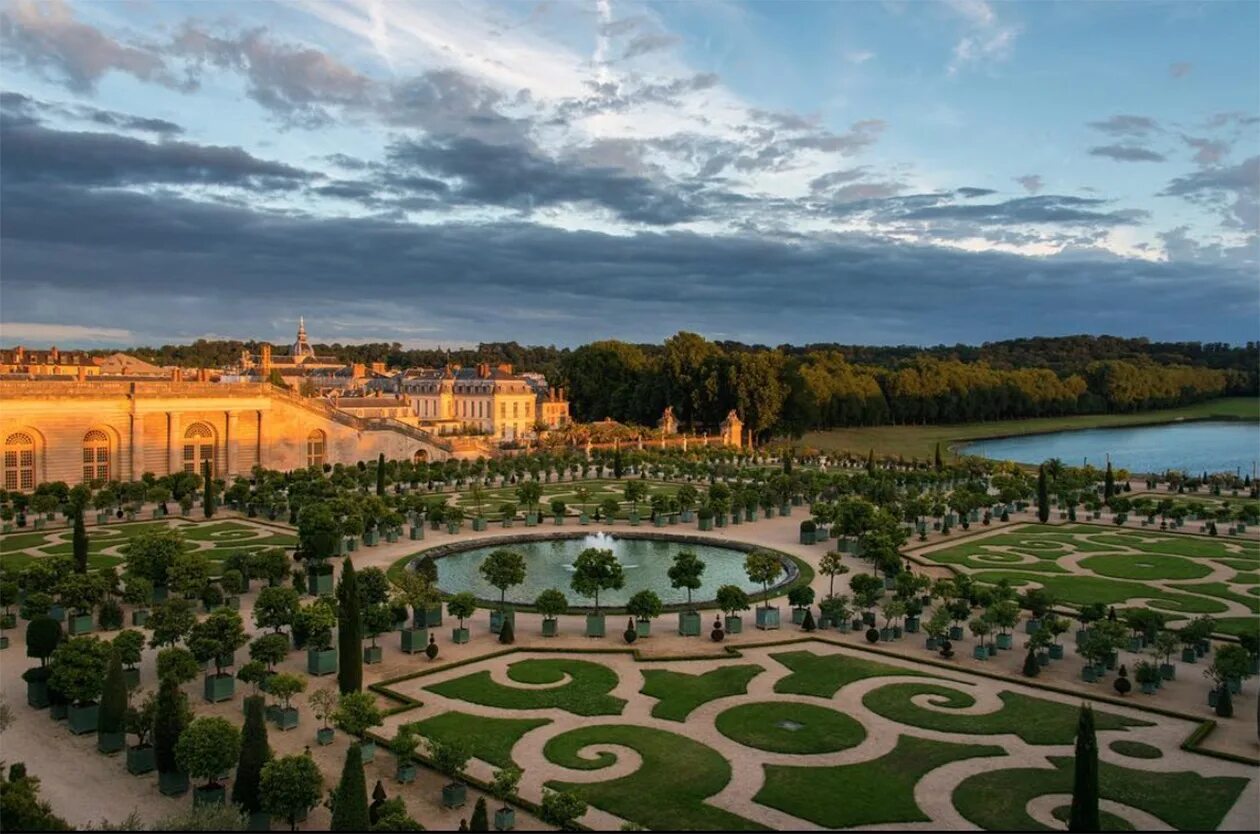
(791, 390)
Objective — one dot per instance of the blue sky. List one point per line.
(444, 173)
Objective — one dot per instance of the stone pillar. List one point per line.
(137, 446)
(175, 442)
(262, 438)
(232, 446)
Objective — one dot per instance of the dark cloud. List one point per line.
(1207, 151)
(1127, 153)
(1128, 126)
(648, 43)
(19, 107)
(448, 102)
(1233, 189)
(971, 193)
(1032, 183)
(1049, 208)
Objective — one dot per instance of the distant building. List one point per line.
(302, 368)
(51, 362)
(486, 399)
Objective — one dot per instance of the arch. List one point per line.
(316, 448)
(97, 456)
(421, 456)
(19, 461)
(199, 445)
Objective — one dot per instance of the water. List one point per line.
(645, 562)
(1196, 447)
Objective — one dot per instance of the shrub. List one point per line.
(208, 747)
(507, 633)
(290, 786)
(808, 623)
(561, 809)
(78, 668)
(356, 712)
(110, 617)
(43, 635)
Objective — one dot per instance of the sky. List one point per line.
(440, 174)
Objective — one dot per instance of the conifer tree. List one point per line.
(169, 722)
(480, 819)
(1031, 667)
(1109, 485)
(350, 803)
(507, 633)
(111, 720)
(349, 631)
(937, 458)
(208, 482)
(1043, 495)
(1084, 815)
(380, 474)
(80, 545)
(255, 752)
(870, 462)
(1225, 702)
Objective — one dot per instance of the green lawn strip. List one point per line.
(865, 793)
(1108, 821)
(585, 694)
(785, 727)
(67, 548)
(678, 693)
(1083, 590)
(273, 540)
(995, 559)
(1136, 749)
(1238, 626)
(1245, 578)
(1196, 547)
(213, 530)
(997, 799)
(14, 542)
(823, 675)
(668, 790)
(1144, 566)
(21, 561)
(1221, 591)
(1236, 563)
(1035, 720)
(489, 739)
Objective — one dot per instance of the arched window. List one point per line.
(19, 461)
(421, 456)
(198, 448)
(316, 444)
(95, 456)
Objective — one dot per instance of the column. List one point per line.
(262, 438)
(137, 446)
(175, 442)
(232, 446)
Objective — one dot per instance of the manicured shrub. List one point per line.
(350, 804)
(507, 633)
(349, 630)
(480, 819)
(291, 786)
(1084, 811)
(207, 748)
(110, 617)
(1031, 667)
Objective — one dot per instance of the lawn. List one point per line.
(679, 693)
(823, 675)
(1084, 590)
(585, 693)
(786, 727)
(1144, 567)
(489, 739)
(1136, 749)
(668, 790)
(1221, 591)
(865, 793)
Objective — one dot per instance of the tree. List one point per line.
(936, 457)
(686, 572)
(503, 569)
(208, 501)
(216, 637)
(551, 603)
(130, 646)
(462, 606)
(1043, 495)
(290, 786)
(170, 622)
(380, 474)
(644, 605)
(79, 546)
(1084, 814)
(349, 630)
(1031, 667)
(112, 716)
(284, 685)
(763, 567)
(151, 553)
(78, 668)
(357, 712)
(269, 649)
(43, 635)
(350, 804)
(561, 809)
(208, 747)
(831, 565)
(1109, 484)
(170, 718)
(480, 819)
(276, 608)
(504, 785)
(596, 570)
(732, 599)
(22, 809)
(255, 754)
(450, 757)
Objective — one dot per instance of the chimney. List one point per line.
(175, 375)
(357, 370)
(483, 370)
(18, 353)
(266, 359)
(54, 355)
(203, 375)
(506, 368)
(82, 373)
(378, 367)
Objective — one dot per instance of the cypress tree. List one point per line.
(168, 723)
(937, 458)
(380, 474)
(378, 799)
(1031, 667)
(208, 482)
(80, 545)
(112, 717)
(1225, 702)
(349, 631)
(1084, 816)
(480, 820)
(1109, 485)
(1043, 495)
(507, 633)
(255, 752)
(350, 804)
(870, 462)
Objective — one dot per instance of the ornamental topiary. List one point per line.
(630, 634)
(872, 635)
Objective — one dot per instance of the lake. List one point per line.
(1207, 446)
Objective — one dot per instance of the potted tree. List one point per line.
(835, 610)
(78, 673)
(503, 569)
(138, 593)
(609, 508)
(1004, 615)
(644, 606)
(207, 748)
(1057, 626)
(685, 572)
(596, 570)
(764, 567)
(801, 598)
(980, 628)
(283, 686)
(290, 787)
(503, 788)
(43, 636)
(732, 599)
(140, 758)
(323, 703)
(216, 639)
(892, 610)
(377, 619)
(111, 728)
(80, 593)
(558, 509)
(704, 517)
(1163, 647)
(316, 621)
(461, 606)
(1147, 675)
(450, 758)
(356, 713)
(809, 531)
(937, 628)
(171, 716)
(551, 603)
(867, 591)
(234, 584)
(416, 591)
(403, 746)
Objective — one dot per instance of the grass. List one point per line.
(920, 441)
(1136, 749)
(1245, 578)
(1145, 567)
(1106, 821)
(667, 792)
(489, 739)
(600, 489)
(586, 693)
(824, 675)
(865, 793)
(1221, 591)
(761, 726)
(997, 799)
(1035, 720)
(1238, 626)
(678, 693)
(1084, 590)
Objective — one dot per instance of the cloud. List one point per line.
(51, 334)
(987, 40)
(648, 43)
(1032, 183)
(1233, 189)
(1050, 208)
(1208, 151)
(18, 107)
(1127, 153)
(859, 57)
(1180, 69)
(1128, 126)
(46, 38)
(971, 193)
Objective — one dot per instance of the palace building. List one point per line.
(488, 400)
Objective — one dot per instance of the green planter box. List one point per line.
(798, 615)
(406, 774)
(807, 536)
(659, 521)
(417, 533)
(414, 639)
(643, 628)
(371, 538)
(505, 523)
(785, 509)
(321, 662)
(955, 633)
(324, 736)
(459, 635)
(1167, 671)
(1089, 675)
(433, 616)
(219, 688)
(1004, 641)
(497, 618)
(141, 760)
(452, 527)
(584, 519)
(1056, 651)
(478, 524)
(37, 694)
(550, 628)
(504, 819)
(980, 652)
(83, 718)
(912, 625)
(57, 612)
(287, 718)
(454, 795)
(373, 654)
(319, 584)
(734, 624)
(173, 784)
(209, 796)
(8, 620)
(594, 625)
(367, 750)
(58, 711)
(634, 519)
(139, 617)
(689, 623)
(767, 618)
(110, 742)
(705, 524)
(531, 519)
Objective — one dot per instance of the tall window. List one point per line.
(95, 456)
(315, 446)
(19, 461)
(198, 448)
(420, 456)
